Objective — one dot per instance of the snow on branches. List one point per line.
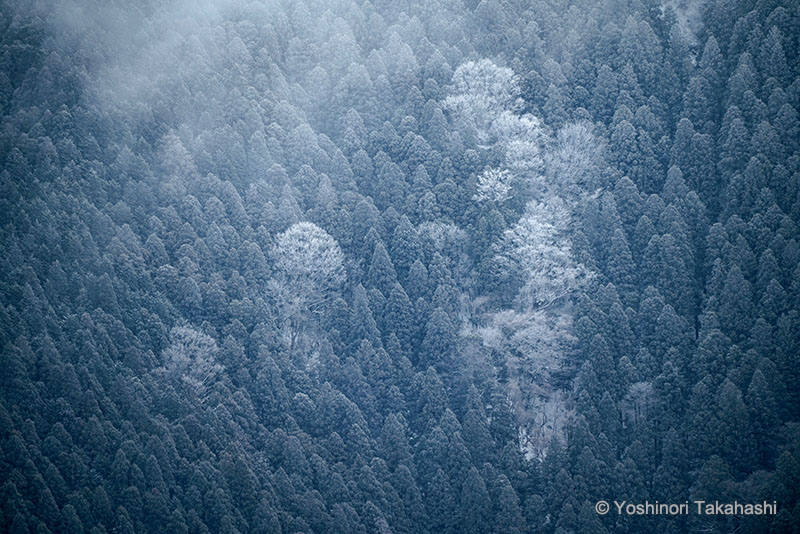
(494, 185)
(191, 360)
(538, 252)
(482, 91)
(485, 103)
(309, 269)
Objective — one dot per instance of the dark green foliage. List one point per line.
(400, 318)
(475, 504)
(439, 344)
(151, 156)
(381, 274)
(405, 247)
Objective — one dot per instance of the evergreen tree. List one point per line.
(405, 247)
(509, 516)
(735, 304)
(761, 407)
(441, 505)
(734, 431)
(439, 344)
(362, 323)
(475, 504)
(381, 274)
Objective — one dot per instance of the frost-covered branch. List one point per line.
(494, 185)
(191, 360)
(309, 269)
(538, 250)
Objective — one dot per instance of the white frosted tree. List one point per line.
(485, 103)
(535, 255)
(538, 253)
(309, 270)
(573, 160)
(520, 137)
(494, 186)
(482, 91)
(190, 360)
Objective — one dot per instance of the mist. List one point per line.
(370, 266)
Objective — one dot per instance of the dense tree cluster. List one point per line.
(401, 267)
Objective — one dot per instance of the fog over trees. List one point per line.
(452, 266)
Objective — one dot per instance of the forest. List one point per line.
(398, 266)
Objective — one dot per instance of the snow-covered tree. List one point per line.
(573, 159)
(537, 253)
(540, 337)
(309, 270)
(191, 360)
(494, 185)
(520, 137)
(482, 92)
(485, 103)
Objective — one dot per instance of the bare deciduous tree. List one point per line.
(191, 360)
(538, 250)
(482, 91)
(309, 269)
(494, 185)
